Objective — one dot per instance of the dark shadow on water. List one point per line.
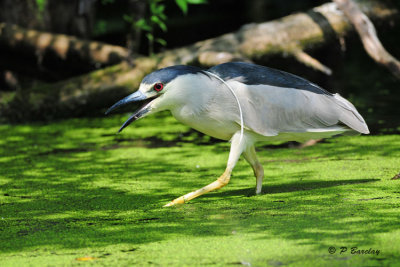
(291, 187)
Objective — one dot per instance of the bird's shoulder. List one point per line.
(252, 74)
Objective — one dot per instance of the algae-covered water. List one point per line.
(73, 191)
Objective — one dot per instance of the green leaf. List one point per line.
(182, 4)
(159, 22)
(161, 41)
(161, 9)
(41, 4)
(143, 24)
(128, 18)
(140, 22)
(155, 19)
(156, 8)
(196, 2)
(150, 36)
(162, 26)
(153, 8)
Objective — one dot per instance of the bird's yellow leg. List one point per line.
(237, 147)
(217, 184)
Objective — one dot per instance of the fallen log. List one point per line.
(42, 47)
(291, 35)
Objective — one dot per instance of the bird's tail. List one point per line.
(350, 115)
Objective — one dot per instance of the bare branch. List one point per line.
(308, 60)
(368, 36)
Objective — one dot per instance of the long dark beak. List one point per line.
(135, 97)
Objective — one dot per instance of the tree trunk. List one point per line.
(290, 35)
(25, 13)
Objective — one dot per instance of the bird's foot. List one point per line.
(179, 200)
(220, 182)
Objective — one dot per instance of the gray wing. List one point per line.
(252, 74)
(274, 101)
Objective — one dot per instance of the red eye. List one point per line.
(158, 87)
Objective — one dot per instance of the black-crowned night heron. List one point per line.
(244, 103)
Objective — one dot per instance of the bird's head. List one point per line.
(161, 90)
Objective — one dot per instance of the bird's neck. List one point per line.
(194, 95)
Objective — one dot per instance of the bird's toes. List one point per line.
(179, 200)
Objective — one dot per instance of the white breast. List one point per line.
(205, 122)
